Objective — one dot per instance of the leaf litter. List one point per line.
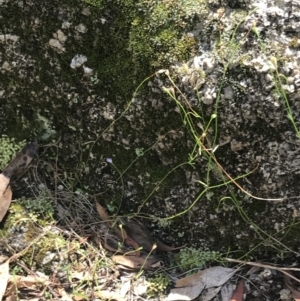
(206, 283)
(190, 287)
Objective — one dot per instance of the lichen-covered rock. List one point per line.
(68, 73)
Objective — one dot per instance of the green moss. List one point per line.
(8, 149)
(142, 36)
(189, 258)
(20, 217)
(97, 3)
(157, 35)
(294, 43)
(17, 214)
(40, 210)
(157, 285)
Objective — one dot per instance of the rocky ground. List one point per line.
(205, 153)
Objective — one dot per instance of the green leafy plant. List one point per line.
(41, 207)
(190, 258)
(8, 149)
(139, 151)
(279, 81)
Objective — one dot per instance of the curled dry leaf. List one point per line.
(139, 233)
(143, 237)
(122, 234)
(291, 287)
(107, 247)
(134, 234)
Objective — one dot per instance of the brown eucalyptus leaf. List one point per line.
(102, 212)
(130, 242)
(5, 200)
(134, 262)
(238, 293)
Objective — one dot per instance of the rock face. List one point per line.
(229, 111)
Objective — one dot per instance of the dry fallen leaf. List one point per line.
(210, 293)
(134, 262)
(5, 200)
(82, 275)
(227, 291)
(102, 212)
(4, 181)
(185, 293)
(125, 286)
(143, 237)
(290, 286)
(29, 282)
(190, 287)
(214, 276)
(238, 293)
(130, 242)
(14, 298)
(64, 295)
(4, 274)
(110, 295)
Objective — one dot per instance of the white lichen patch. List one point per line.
(78, 60)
